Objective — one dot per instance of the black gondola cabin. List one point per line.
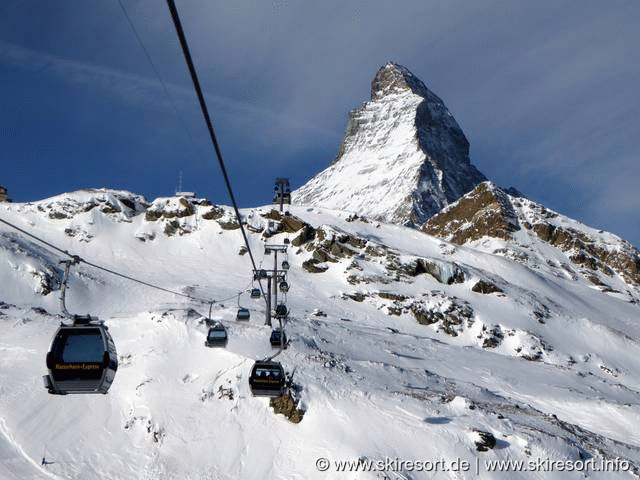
(217, 336)
(82, 358)
(278, 338)
(267, 378)
(281, 310)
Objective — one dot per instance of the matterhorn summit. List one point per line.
(403, 157)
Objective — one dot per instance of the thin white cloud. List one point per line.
(137, 89)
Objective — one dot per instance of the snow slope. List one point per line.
(549, 366)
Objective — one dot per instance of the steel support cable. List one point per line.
(156, 72)
(37, 238)
(207, 118)
(142, 282)
(77, 259)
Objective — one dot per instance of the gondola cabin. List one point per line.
(82, 358)
(281, 310)
(285, 265)
(267, 378)
(284, 287)
(255, 293)
(278, 338)
(217, 336)
(243, 314)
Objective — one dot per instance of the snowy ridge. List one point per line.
(397, 351)
(403, 157)
(491, 220)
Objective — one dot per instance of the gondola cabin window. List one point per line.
(83, 347)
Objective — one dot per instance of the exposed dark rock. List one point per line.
(273, 214)
(391, 296)
(307, 234)
(232, 225)
(375, 250)
(287, 406)
(312, 266)
(165, 209)
(354, 217)
(485, 211)
(128, 203)
(493, 337)
(109, 208)
(484, 286)
(255, 229)
(446, 273)
(152, 215)
(58, 215)
(588, 253)
(214, 213)
(486, 442)
(321, 255)
(4, 196)
(291, 224)
(451, 313)
(225, 393)
(173, 226)
(357, 296)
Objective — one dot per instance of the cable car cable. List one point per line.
(207, 118)
(157, 74)
(77, 259)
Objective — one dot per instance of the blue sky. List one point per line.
(546, 92)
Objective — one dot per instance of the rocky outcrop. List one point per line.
(589, 253)
(119, 204)
(485, 287)
(486, 211)
(452, 315)
(490, 212)
(4, 197)
(174, 207)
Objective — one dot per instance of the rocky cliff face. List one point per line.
(528, 229)
(3, 195)
(403, 158)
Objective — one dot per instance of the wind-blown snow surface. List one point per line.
(373, 384)
(381, 165)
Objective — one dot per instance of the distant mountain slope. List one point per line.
(403, 157)
(404, 345)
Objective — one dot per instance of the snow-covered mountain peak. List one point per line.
(403, 158)
(393, 78)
